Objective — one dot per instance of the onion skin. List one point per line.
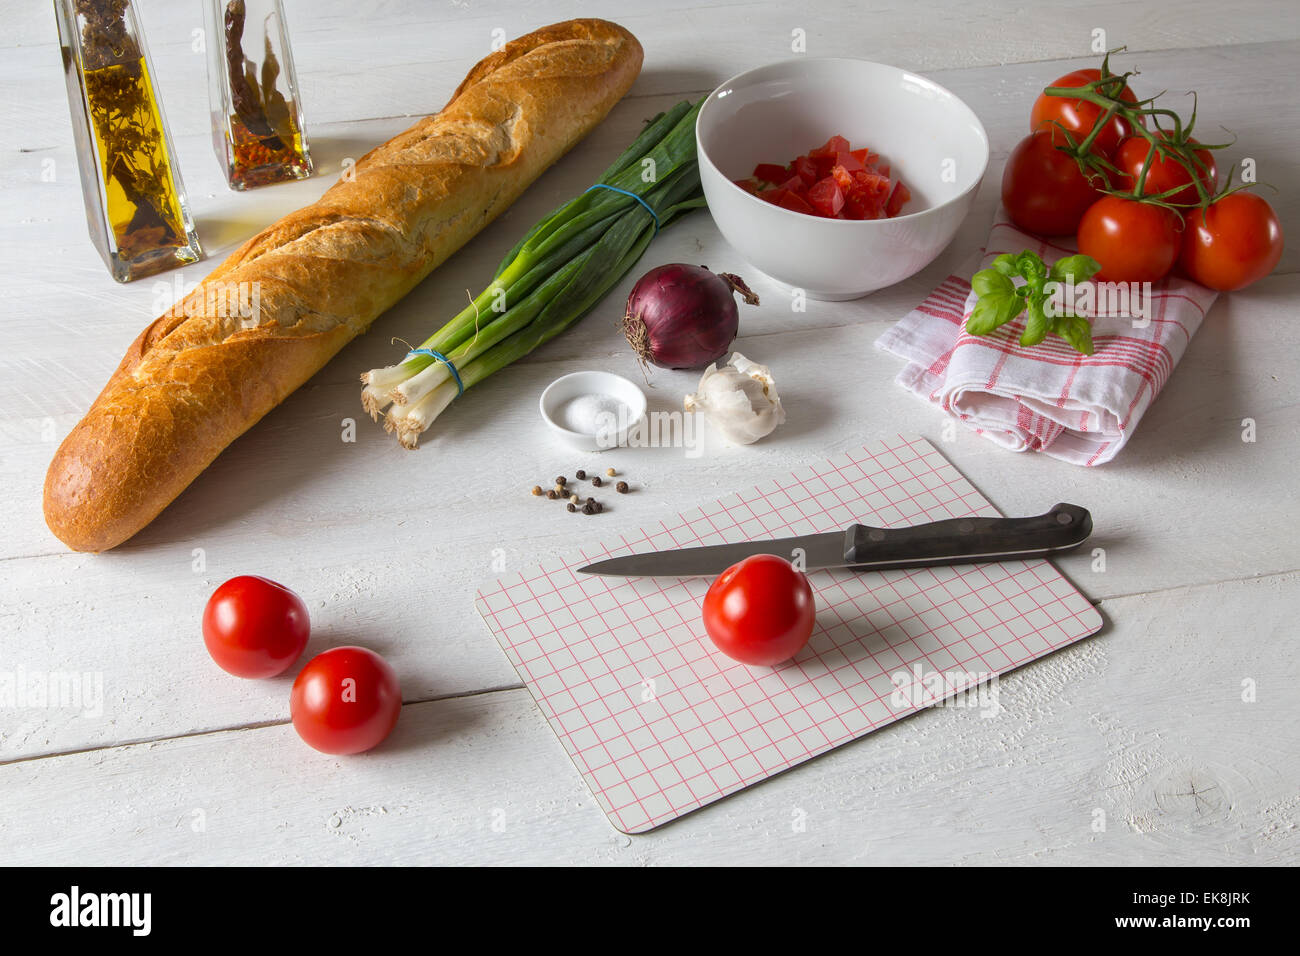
(683, 316)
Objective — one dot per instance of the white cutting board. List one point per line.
(660, 723)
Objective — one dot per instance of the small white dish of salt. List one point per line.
(592, 411)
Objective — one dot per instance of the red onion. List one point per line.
(681, 316)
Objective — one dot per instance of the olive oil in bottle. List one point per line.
(257, 126)
(135, 201)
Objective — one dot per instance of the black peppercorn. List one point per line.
(581, 474)
(572, 507)
(621, 487)
(550, 493)
(595, 480)
(588, 509)
(561, 480)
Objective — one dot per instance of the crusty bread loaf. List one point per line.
(202, 374)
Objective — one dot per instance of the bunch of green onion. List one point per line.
(552, 278)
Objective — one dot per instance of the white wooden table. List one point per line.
(1143, 727)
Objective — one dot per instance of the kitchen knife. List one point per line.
(863, 548)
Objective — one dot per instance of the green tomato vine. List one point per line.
(1170, 140)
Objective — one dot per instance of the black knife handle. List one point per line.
(967, 540)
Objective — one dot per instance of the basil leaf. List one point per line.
(1030, 266)
(992, 311)
(1077, 268)
(1005, 264)
(991, 282)
(1037, 326)
(1076, 330)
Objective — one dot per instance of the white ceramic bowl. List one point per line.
(932, 141)
(565, 389)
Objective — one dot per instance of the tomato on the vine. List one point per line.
(1165, 173)
(1134, 241)
(1078, 116)
(1043, 189)
(760, 611)
(1237, 241)
(254, 627)
(345, 700)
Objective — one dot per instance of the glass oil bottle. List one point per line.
(136, 207)
(257, 127)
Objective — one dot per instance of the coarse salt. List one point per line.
(594, 414)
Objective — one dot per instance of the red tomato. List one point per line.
(345, 700)
(876, 185)
(760, 611)
(1133, 241)
(859, 205)
(843, 178)
(1165, 174)
(1238, 241)
(795, 203)
(805, 169)
(254, 627)
(834, 145)
(1042, 187)
(833, 181)
(897, 199)
(826, 197)
(1079, 117)
(852, 162)
(771, 173)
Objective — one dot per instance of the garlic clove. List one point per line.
(740, 399)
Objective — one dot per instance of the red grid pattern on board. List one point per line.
(659, 723)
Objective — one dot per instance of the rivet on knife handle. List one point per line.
(962, 540)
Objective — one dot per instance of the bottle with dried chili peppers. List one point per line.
(257, 127)
(135, 202)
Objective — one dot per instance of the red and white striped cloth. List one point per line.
(1049, 398)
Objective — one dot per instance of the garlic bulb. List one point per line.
(739, 398)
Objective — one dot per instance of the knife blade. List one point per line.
(864, 548)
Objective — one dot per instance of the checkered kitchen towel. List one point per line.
(1049, 398)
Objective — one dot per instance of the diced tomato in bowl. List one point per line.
(833, 181)
(805, 169)
(897, 199)
(833, 146)
(796, 203)
(774, 113)
(771, 173)
(850, 162)
(826, 197)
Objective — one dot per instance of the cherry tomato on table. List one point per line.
(1238, 241)
(345, 700)
(1042, 188)
(1165, 173)
(1080, 117)
(760, 611)
(1133, 241)
(254, 627)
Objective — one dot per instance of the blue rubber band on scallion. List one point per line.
(653, 215)
(451, 366)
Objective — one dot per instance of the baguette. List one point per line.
(205, 372)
